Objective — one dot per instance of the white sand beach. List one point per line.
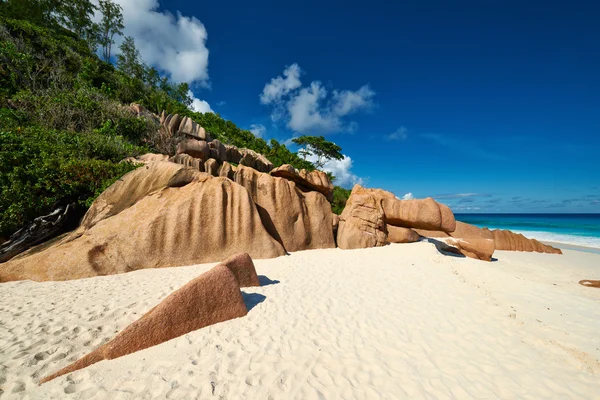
(401, 321)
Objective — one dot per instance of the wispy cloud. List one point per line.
(258, 130)
(408, 196)
(399, 134)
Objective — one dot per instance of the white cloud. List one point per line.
(408, 196)
(199, 105)
(341, 169)
(400, 134)
(308, 109)
(347, 101)
(174, 44)
(305, 114)
(258, 130)
(279, 87)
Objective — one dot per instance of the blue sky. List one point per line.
(488, 106)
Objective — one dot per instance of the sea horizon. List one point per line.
(579, 229)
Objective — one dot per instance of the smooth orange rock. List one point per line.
(369, 211)
(227, 170)
(401, 235)
(420, 214)
(160, 215)
(211, 167)
(362, 223)
(243, 268)
(206, 300)
(188, 161)
(588, 283)
(195, 148)
(507, 240)
(297, 220)
(305, 180)
(469, 240)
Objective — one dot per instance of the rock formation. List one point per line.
(190, 128)
(206, 300)
(336, 224)
(254, 160)
(194, 148)
(466, 239)
(243, 269)
(507, 240)
(159, 215)
(188, 161)
(298, 220)
(398, 234)
(588, 283)
(305, 180)
(369, 212)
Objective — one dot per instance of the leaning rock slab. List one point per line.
(507, 240)
(369, 212)
(306, 180)
(469, 240)
(243, 268)
(206, 300)
(401, 235)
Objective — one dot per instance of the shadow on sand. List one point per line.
(445, 248)
(264, 281)
(252, 299)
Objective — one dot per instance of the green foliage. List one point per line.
(129, 60)
(40, 169)
(340, 196)
(63, 126)
(319, 147)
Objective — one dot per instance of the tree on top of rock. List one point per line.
(320, 148)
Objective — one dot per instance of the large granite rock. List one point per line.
(468, 240)
(190, 128)
(206, 300)
(419, 214)
(195, 148)
(159, 215)
(218, 150)
(305, 180)
(368, 213)
(211, 167)
(299, 221)
(507, 240)
(398, 234)
(188, 161)
(589, 283)
(254, 160)
(243, 268)
(233, 154)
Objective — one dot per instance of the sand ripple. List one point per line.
(394, 322)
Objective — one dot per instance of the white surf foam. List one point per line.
(562, 238)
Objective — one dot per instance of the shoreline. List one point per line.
(573, 247)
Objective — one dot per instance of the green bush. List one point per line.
(340, 196)
(41, 169)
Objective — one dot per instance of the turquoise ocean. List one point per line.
(574, 229)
